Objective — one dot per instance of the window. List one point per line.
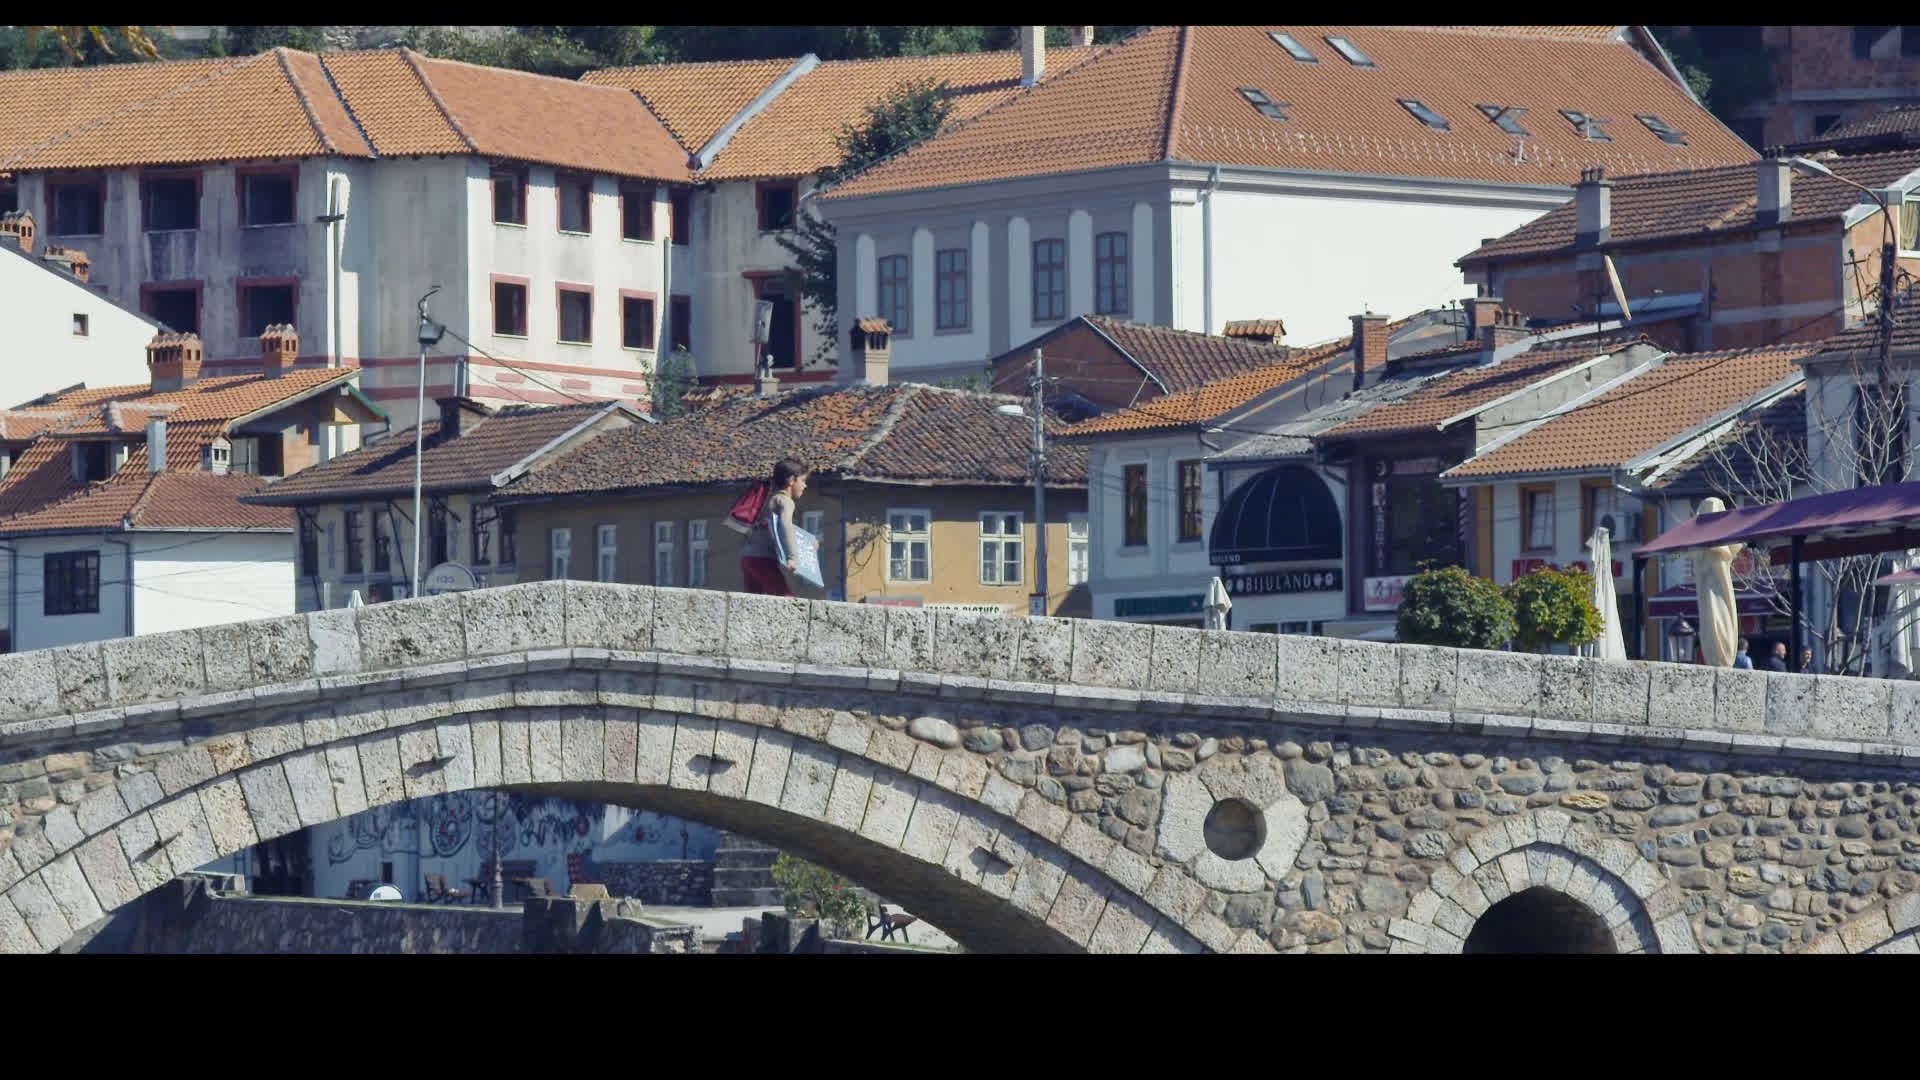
(1824, 122)
(382, 541)
(1586, 125)
(1425, 115)
(356, 557)
(1873, 42)
(1909, 225)
(776, 206)
(1134, 485)
(576, 202)
(170, 202)
(219, 456)
(9, 196)
(1000, 538)
(1049, 280)
(93, 461)
(636, 212)
(1349, 52)
(439, 537)
(266, 199)
(814, 522)
(1261, 102)
(636, 322)
(1077, 549)
(509, 196)
(332, 537)
(483, 515)
(1596, 502)
(663, 553)
(1294, 49)
(908, 545)
(1504, 117)
(950, 290)
(697, 554)
(576, 315)
(309, 546)
(1190, 500)
(72, 583)
(1110, 274)
(79, 324)
(1414, 520)
(1659, 127)
(509, 547)
(606, 563)
(79, 209)
(510, 309)
(679, 209)
(262, 306)
(680, 316)
(1536, 518)
(896, 293)
(560, 550)
(176, 309)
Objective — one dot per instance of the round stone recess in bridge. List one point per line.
(1232, 822)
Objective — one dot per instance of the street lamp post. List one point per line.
(1037, 467)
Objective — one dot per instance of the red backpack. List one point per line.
(746, 509)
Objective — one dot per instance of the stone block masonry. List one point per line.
(1024, 783)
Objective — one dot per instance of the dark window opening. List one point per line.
(1825, 122)
(1504, 117)
(679, 208)
(262, 306)
(1422, 523)
(895, 294)
(483, 519)
(1752, 130)
(9, 196)
(576, 316)
(636, 322)
(508, 526)
(510, 196)
(1873, 42)
(437, 533)
(71, 583)
(1190, 500)
(1540, 921)
(1349, 51)
(1110, 292)
(783, 342)
(78, 209)
(1049, 280)
(176, 309)
(1294, 48)
(382, 542)
(680, 320)
(1135, 488)
(356, 559)
(1670, 135)
(509, 309)
(309, 546)
(1588, 127)
(951, 306)
(1262, 103)
(636, 212)
(96, 461)
(576, 203)
(267, 199)
(1425, 115)
(1910, 41)
(776, 206)
(269, 455)
(171, 202)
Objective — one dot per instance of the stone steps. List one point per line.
(743, 872)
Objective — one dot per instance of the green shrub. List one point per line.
(1553, 607)
(1449, 606)
(813, 893)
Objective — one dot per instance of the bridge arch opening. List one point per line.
(1541, 921)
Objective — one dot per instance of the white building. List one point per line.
(60, 331)
(332, 192)
(1194, 175)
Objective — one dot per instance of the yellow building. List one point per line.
(920, 496)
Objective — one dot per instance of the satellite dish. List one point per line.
(385, 892)
(448, 577)
(1619, 293)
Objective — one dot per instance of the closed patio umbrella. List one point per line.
(1713, 592)
(1611, 644)
(1218, 604)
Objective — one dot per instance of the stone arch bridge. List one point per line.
(1024, 783)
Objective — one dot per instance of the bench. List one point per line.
(439, 893)
(890, 923)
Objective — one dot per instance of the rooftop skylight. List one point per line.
(1660, 127)
(1263, 103)
(1586, 125)
(1294, 48)
(1425, 115)
(1350, 51)
(1505, 117)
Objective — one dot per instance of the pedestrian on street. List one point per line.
(760, 559)
(1740, 659)
(1778, 661)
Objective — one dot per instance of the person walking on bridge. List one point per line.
(760, 559)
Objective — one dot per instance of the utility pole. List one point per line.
(429, 335)
(1038, 604)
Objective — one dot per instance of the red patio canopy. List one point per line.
(1862, 521)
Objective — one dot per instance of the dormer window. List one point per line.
(219, 457)
(96, 461)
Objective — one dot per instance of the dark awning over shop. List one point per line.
(1285, 514)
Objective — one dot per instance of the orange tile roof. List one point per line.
(1463, 389)
(1172, 94)
(290, 104)
(1640, 414)
(1208, 400)
(695, 100)
(1653, 206)
(795, 134)
(1256, 328)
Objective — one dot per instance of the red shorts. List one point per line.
(764, 576)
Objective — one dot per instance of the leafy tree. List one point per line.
(248, 40)
(1449, 606)
(672, 376)
(62, 46)
(912, 112)
(1553, 607)
(813, 893)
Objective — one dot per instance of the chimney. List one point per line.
(279, 348)
(870, 341)
(17, 226)
(1080, 36)
(156, 445)
(1592, 209)
(1774, 187)
(1480, 314)
(460, 416)
(1504, 328)
(71, 260)
(1033, 54)
(1369, 346)
(173, 360)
